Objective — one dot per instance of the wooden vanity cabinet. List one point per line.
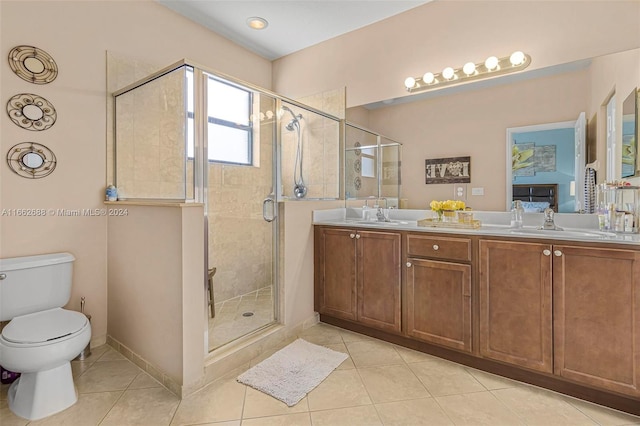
(596, 296)
(515, 303)
(438, 300)
(358, 276)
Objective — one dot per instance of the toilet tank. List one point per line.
(34, 283)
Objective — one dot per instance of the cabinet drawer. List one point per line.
(439, 247)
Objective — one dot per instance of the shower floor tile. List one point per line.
(239, 316)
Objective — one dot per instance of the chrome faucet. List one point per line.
(380, 213)
(549, 224)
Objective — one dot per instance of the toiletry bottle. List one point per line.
(365, 211)
(517, 214)
(111, 193)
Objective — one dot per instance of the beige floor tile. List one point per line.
(111, 355)
(259, 404)
(392, 383)
(231, 423)
(153, 406)
(425, 411)
(603, 415)
(321, 334)
(540, 407)
(107, 376)
(354, 416)
(343, 388)
(90, 409)
(143, 381)
(445, 378)
(7, 418)
(347, 364)
(369, 353)
(478, 409)
(410, 356)
(219, 401)
(3, 392)
(298, 419)
(351, 336)
(96, 353)
(492, 381)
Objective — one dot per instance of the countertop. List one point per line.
(577, 227)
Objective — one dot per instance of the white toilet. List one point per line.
(42, 338)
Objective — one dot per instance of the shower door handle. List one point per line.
(265, 216)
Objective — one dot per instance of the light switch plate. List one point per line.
(477, 191)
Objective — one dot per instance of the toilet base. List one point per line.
(37, 395)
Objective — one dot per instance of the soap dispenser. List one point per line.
(517, 214)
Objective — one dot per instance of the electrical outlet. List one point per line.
(459, 192)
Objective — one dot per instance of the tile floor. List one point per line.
(379, 384)
(230, 323)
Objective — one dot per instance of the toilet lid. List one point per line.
(44, 326)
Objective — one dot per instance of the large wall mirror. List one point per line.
(472, 120)
(629, 156)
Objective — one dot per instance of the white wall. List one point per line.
(77, 34)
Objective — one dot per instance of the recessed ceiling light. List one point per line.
(257, 23)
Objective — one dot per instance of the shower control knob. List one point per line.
(357, 236)
(546, 252)
(352, 235)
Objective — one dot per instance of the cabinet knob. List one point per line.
(357, 236)
(557, 253)
(352, 235)
(436, 247)
(408, 264)
(546, 252)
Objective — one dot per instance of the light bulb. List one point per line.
(491, 63)
(269, 114)
(517, 58)
(469, 68)
(448, 73)
(428, 77)
(409, 82)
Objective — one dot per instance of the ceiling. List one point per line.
(293, 24)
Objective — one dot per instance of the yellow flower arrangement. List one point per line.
(440, 206)
(448, 206)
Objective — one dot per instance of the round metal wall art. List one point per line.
(33, 64)
(357, 183)
(357, 165)
(31, 112)
(358, 151)
(31, 160)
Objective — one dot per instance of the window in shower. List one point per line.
(369, 162)
(230, 130)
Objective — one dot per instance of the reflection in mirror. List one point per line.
(32, 112)
(32, 160)
(34, 65)
(629, 141)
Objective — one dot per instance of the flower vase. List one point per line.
(449, 216)
(439, 212)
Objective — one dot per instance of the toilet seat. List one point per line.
(44, 328)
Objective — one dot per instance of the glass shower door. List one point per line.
(241, 211)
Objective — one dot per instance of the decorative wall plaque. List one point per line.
(31, 112)
(32, 64)
(448, 170)
(31, 160)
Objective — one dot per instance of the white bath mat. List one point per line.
(292, 372)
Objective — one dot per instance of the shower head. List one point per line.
(292, 124)
(295, 121)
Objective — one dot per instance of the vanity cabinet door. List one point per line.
(597, 317)
(439, 303)
(515, 303)
(379, 279)
(335, 272)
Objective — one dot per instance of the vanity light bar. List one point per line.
(492, 66)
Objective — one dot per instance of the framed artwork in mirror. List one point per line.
(33, 64)
(31, 112)
(31, 160)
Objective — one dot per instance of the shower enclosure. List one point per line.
(186, 134)
(373, 165)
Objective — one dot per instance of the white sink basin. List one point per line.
(566, 233)
(390, 223)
